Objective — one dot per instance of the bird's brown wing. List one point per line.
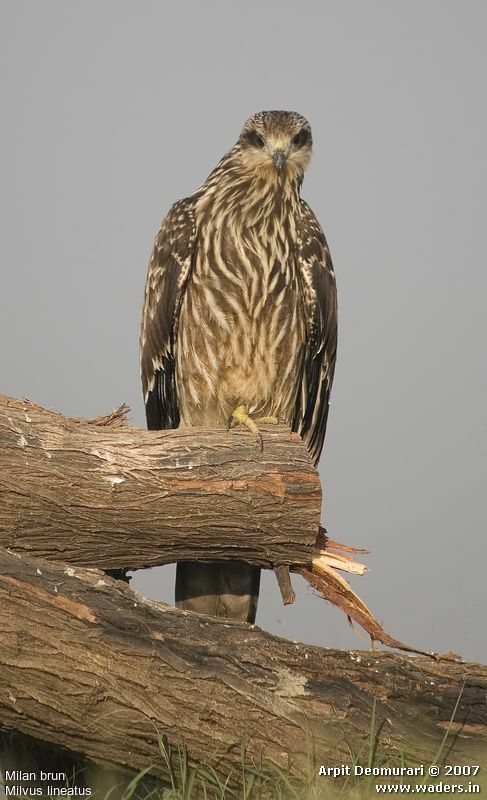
(167, 275)
(318, 364)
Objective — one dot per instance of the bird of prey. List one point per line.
(239, 320)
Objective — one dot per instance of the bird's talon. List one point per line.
(240, 416)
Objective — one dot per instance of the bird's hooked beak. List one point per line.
(279, 158)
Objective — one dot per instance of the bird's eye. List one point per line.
(301, 138)
(255, 140)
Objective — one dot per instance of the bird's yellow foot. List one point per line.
(240, 416)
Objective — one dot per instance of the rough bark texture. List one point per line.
(88, 664)
(97, 493)
(111, 496)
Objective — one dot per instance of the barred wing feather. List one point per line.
(318, 365)
(169, 268)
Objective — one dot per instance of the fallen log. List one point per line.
(98, 493)
(89, 665)
(103, 494)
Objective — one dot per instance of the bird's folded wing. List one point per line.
(319, 291)
(169, 268)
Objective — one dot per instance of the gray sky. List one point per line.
(112, 110)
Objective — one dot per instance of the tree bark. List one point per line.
(97, 493)
(90, 665)
(106, 495)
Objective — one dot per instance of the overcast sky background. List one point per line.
(112, 110)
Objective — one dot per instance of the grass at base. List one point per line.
(184, 780)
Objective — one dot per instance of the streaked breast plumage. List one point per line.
(243, 298)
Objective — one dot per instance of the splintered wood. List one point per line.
(323, 576)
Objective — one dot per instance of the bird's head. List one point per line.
(276, 144)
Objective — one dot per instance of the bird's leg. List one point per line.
(241, 417)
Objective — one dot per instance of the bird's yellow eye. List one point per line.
(255, 140)
(301, 138)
